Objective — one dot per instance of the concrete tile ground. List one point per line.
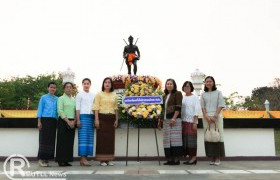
(151, 170)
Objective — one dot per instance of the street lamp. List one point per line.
(28, 103)
(68, 76)
(266, 104)
(197, 80)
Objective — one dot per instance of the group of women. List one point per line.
(88, 112)
(181, 118)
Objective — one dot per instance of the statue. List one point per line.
(130, 56)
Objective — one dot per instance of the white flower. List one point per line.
(144, 109)
(133, 108)
(158, 112)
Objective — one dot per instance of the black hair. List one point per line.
(64, 85)
(214, 88)
(86, 79)
(190, 83)
(174, 84)
(50, 83)
(112, 88)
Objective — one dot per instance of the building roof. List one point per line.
(274, 114)
(226, 114)
(245, 114)
(18, 113)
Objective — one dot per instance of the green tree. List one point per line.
(16, 91)
(234, 101)
(260, 94)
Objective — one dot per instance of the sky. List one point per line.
(235, 41)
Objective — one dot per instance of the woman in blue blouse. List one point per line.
(47, 116)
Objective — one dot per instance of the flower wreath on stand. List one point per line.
(142, 114)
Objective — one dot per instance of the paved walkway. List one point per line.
(151, 170)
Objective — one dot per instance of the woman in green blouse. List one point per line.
(66, 126)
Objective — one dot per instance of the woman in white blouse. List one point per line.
(212, 103)
(85, 122)
(190, 111)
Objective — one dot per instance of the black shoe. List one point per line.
(67, 164)
(175, 163)
(61, 164)
(190, 163)
(168, 163)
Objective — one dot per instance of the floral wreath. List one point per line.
(139, 86)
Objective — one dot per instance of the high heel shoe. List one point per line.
(167, 163)
(62, 164)
(191, 163)
(217, 163)
(67, 164)
(84, 164)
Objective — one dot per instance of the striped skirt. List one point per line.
(172, 138)
(215, 149)
(189, 139)
(105, 138)
(86, 135)
(47, 139)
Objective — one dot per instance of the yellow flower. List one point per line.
(159, 107)
(123, 111)
(145, 114)
(143, 85)
(134, 114)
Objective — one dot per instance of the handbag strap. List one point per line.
(216, 126)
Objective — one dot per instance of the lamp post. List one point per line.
(68, 76)
(197, 78)
(266, 104)
(28, 103)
